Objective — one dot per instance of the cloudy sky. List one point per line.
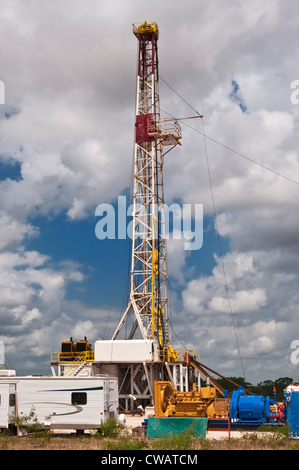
(66, 145)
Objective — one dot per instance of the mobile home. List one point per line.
(58, 402)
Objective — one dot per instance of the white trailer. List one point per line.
(58, 402)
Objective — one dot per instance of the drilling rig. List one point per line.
(148, 369)
(138, 363)
(146, 355)
(148, 296)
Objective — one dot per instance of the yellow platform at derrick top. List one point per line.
(145, 28)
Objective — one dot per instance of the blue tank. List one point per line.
(292, 414)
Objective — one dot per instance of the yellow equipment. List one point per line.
(146, 28)
(202, 403)
(83, 345)
(71, 351)
(68, 347)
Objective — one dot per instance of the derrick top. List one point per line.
(141, 29)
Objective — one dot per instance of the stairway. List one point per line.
(74, 369)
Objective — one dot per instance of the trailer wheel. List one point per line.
(10, 431)
(23, 431)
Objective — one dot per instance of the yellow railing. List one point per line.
(144, 28)
(172, 355)
(72, 358)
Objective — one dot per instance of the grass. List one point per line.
(116, 438)
(93, 443)
(181, 441)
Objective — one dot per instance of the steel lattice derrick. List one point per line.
(148, 294)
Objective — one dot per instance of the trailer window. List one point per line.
(12, 399)
(79, 398)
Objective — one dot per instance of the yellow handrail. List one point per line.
(146, 27)
(72, 358)
(172, 355)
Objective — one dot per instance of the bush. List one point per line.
(110, 428)
(26, 423)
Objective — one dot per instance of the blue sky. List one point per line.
(10, 171)
(236, 96)
(67, 133)
(106, 263)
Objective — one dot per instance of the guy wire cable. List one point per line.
(223, 145)
(220, 250)
(216, 223)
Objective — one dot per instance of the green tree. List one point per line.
(227, 385)
(265, 388)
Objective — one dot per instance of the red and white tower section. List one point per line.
(148, 294)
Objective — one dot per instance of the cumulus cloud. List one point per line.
(253, 315)
(241, 301)
(32, 305)
(13, 231)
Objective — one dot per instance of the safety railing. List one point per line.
(170, 127)
(73, 358)
(172, 355)
(145, 28)
(168, 130)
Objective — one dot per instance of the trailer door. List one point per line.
(7, 403)
(111, 398)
